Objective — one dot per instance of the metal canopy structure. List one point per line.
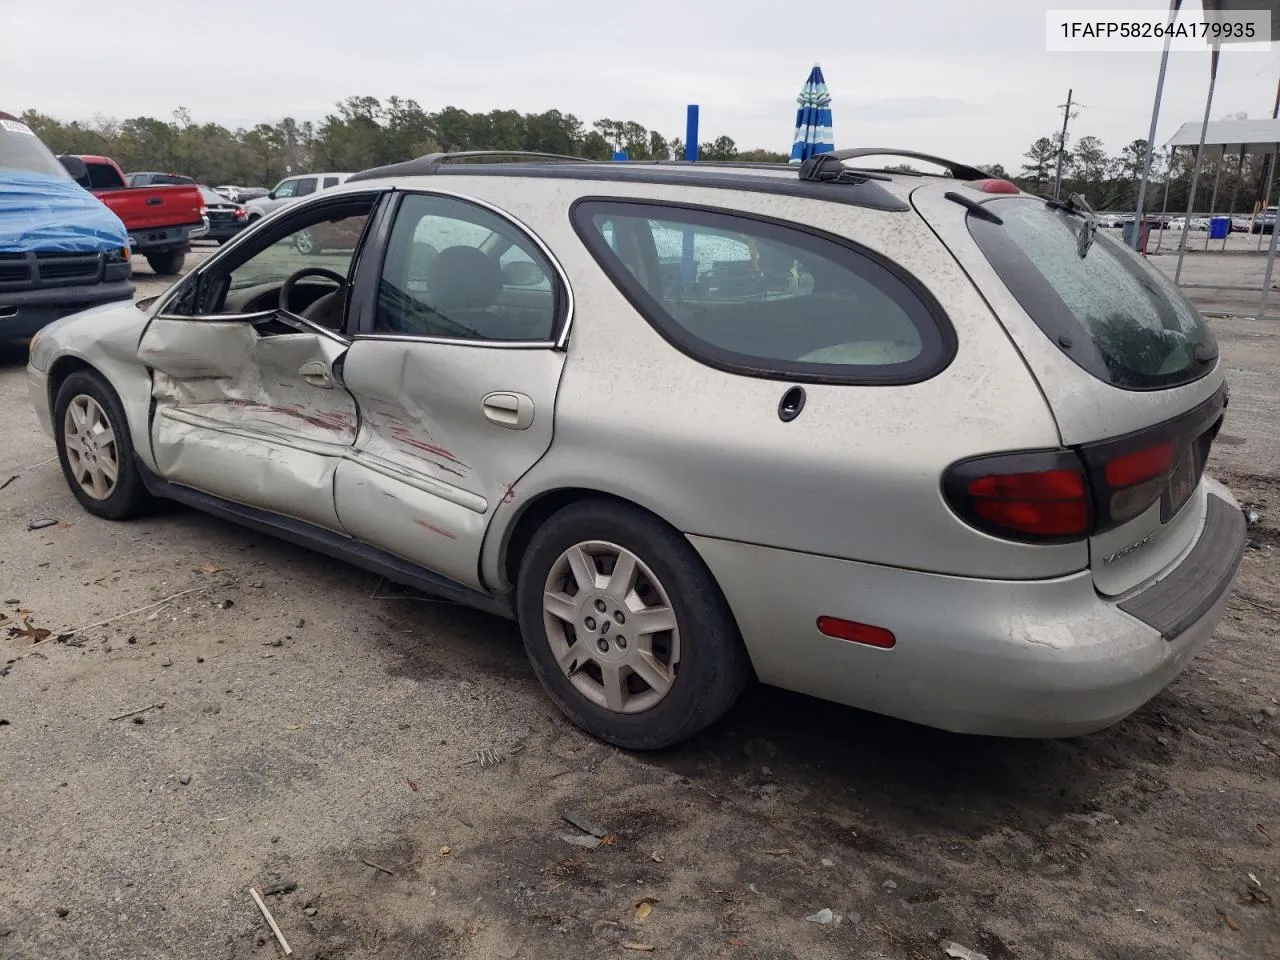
(1251, 136)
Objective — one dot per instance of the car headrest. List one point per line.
(463, 278)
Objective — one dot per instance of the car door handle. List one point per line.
(316, 374)
(511, 410)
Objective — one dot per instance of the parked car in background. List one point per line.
(226, 218)
(1195, 224)
(157, 179)
(162, 219)
(61, 250)
(1264, 222)
(245, 194)
(293, 188)
(814, 479)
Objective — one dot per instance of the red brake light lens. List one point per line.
(1032, 497)
(1134, 468)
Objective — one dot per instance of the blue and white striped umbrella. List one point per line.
(813, 119)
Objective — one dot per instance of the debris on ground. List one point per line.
(1251, 515)
(184, 779)
(957, 952)
(581, 840)
(1226, 918)
(378, 867)
(413, 785)
(210, 568)
(42, 523)
(823, 916)
(271, 922)
(644, 907)
(889, 885)
(225, 604)
(638, 947)
(131, 713)
(445, 851)
(584, 823)
(9, 481)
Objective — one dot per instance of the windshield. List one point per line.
(21, 149)
(1105, 306)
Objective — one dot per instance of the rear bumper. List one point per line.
(1043, 658)
(23, 312)
(163, 239)
(219, 230)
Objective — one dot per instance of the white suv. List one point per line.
(291, 188)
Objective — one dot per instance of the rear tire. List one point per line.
(586, 642)
(96, 450)
(167, 264)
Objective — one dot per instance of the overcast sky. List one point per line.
(969, 81)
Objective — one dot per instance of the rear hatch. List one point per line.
(1127, 365)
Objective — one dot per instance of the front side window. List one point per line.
(303, 265)
(767, 299)
(285, 189)
(460, 271)
(1103, 305)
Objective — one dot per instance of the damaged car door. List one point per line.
(455, 366)
(246, 367)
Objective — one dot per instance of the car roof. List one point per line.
(825, 177)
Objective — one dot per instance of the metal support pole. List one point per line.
(1266, 189)
(1164, 208)
(1271, 257)
(1195, 171)
(1213, 198)
(1151, 135)
(1235, 192)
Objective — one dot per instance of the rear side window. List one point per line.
(305, 187)
(764, 298)
(1103, 305)
(329, 182)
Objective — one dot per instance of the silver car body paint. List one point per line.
(838, 512)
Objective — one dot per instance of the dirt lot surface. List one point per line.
(310, 733)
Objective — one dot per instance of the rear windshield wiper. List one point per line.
(1076, 205)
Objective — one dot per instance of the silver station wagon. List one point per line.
(924, 445)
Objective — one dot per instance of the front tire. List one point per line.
(167, 264)
(95, 449)
(626, 628)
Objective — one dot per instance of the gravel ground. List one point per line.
(309, 729)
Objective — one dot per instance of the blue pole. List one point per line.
(691, 134)
(688, 271)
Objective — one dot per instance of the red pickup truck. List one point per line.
(161, 220)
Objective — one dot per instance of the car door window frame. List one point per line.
(282, 227)
(377, 243)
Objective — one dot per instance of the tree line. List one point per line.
(365, 132)
(1111, 181)
(362, 132)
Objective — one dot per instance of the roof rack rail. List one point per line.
(959, 171)
(431, 162)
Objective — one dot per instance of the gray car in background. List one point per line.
(927, 446)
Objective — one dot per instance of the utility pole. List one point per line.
(1067, 115)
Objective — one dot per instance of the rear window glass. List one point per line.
(1110, 311)
(759, 297)
(21, 149)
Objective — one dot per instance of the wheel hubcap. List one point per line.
(91, 448)
(611, 627)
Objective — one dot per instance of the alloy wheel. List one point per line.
(611, 626)
(92, 452)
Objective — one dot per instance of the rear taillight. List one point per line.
(240, 213)
(1037, 497)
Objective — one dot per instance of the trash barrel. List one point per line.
(1219, 227)
(1128, 235)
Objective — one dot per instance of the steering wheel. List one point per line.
(286, 289)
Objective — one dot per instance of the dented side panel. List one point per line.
(429, 467)
(234, 416)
